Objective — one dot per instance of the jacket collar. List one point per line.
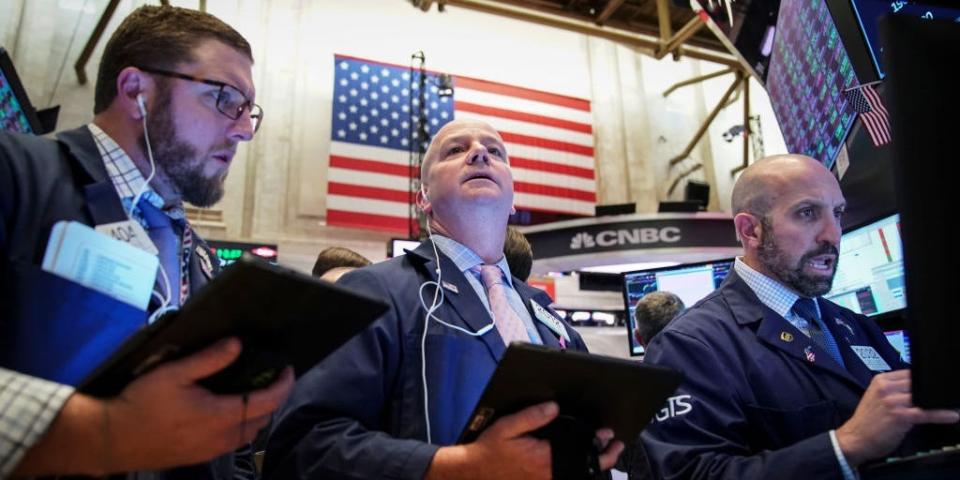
(458, 294)
(102, 202)
(82, 148)
(470, 309)
(776, 332)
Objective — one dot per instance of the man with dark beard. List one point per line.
(779, 382)
(174, 98)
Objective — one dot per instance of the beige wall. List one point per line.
(277, 186)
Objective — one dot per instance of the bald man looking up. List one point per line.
(391, 403)
(780, 383)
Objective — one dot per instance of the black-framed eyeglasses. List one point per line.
(231, 102)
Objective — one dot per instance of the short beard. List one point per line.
(793, 276)
(178, 161)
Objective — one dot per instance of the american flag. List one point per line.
(866, 101)
(549, 139)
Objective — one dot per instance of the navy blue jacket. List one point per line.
(360, 412)
(753, 403)
(43, 181)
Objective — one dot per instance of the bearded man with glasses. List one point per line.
(174, 99)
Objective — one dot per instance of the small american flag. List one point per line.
(549, 140)
(866, 101)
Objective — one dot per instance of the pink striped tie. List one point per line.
(508, 323)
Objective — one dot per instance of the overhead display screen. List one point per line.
(809, 72)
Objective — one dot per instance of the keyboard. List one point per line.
(939, 463)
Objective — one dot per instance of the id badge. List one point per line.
(871, 358)
(129, 231)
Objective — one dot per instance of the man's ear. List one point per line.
(132, 82)
(749, 230)
(423, 201)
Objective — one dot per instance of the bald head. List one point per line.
(451, 128)
(788, 212)
(467, 187)
(758, 187)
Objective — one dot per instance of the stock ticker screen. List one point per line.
(12, 116)
(868, 13)
(809, 71)
(229, 252)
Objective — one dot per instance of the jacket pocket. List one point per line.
(774, 428)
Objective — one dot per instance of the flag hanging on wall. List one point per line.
(548, 137)
(867, 102)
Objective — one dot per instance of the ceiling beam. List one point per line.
(608, 9)
(625, 37)
(684, 34)
(663, 17)
(92, 41)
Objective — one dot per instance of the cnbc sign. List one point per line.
(595, 236)
(633, 236)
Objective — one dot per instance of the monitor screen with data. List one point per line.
(870, 276)
(690, 282)
(399, 246)
(901, 342)
(16, 112)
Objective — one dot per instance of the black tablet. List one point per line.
(283, 317)
(597, 390)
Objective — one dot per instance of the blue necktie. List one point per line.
(806, 308)
(164, 235)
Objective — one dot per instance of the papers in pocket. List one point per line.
(97, 261)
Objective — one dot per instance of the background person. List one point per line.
(333, 262)
(653, 312)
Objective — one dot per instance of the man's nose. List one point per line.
(830, 231)
(241, 129)
(478, 153)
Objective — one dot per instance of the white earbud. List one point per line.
(140, 105)
(423, 192)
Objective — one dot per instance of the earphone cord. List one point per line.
(438, 298)
(437, 301)
(164, 302)
(153, 165)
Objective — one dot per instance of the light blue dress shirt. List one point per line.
(465, 260)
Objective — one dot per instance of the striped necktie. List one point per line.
(507, 321)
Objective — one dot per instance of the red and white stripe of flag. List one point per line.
(877, 120)
(548, 137)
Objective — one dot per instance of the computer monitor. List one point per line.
(900, 341)
(859, 27)
(691, 282)
(230, 252)
(923, 101)
(16, 112)
(398, 246)
(869, 276)
(809, 72)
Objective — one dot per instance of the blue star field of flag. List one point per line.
(377, 105)
(858, 101)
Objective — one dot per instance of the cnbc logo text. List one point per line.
(623, 237)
